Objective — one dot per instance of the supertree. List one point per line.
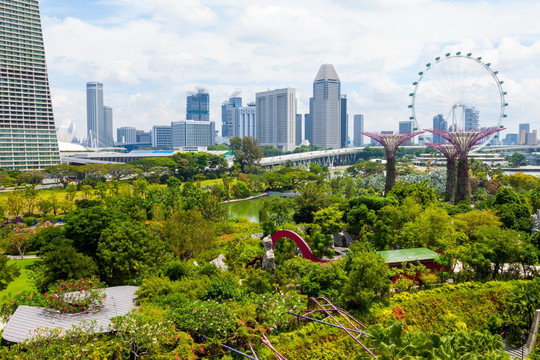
(450, 152)
(390, 142)
(464, 140)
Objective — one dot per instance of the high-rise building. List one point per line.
(523, 130)
(308, 132)
(126, 135)
(227, 116)
(405, 127)
(358, 139)
(440, 124)
(327, 108)
(94, 114)
(28, 139)
(511, 139)
(198, 106)
(344, 122)
(276, 118)
(161, 136)
(531, 138)
(108, 126)
(192, 133)
(144, 136)
(472, 121)
(299, 129)
(244, 121)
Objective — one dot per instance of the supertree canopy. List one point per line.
(450, 152)
(464, 140)
(390, 142)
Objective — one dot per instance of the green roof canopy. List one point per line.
(407, 255)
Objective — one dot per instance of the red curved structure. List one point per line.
(301, 243)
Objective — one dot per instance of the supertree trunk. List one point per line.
(390, 173)
(450, 179)
(463, 190)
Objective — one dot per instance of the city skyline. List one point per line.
(150, 62)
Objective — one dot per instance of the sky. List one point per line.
(150, 53)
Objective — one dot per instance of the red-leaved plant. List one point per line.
(74, 296)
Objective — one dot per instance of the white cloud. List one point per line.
(149, 53)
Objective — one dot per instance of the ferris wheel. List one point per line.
(458, 92)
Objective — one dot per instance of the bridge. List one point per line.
(345, 156)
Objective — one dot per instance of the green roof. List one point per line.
(407, 255)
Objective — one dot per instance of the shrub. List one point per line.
(73, 296)
(211, 319)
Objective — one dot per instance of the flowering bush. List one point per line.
(73, 296)
(210, 319)
(18, 238)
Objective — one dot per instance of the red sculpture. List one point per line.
(301, 243)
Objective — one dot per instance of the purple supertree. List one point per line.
(450, 152)
(464, 140)
(390, 142)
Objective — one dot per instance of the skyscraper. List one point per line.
(326, 115)
(523, 130)
(244, 121)
(299, 129)
(108, 126)
(126, 135)
(227, 116)
(28, 138)
(472, 121)
(405, 126)
(94, 114)
(344, 122)
(276, 118)
(198, 106)
(440, 124)
(358, 127)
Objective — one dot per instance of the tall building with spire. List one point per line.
(28, 138)
(326, 108)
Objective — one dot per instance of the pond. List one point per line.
(249, 209)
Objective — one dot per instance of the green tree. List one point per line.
(30, 195)
(517, 159)
(8, 273)
(62, 173)
(329, 219)
(127, 251)
(366, 168)
(247, 153)
(369, 279)
(63, 263)
(188, 232)
(85, 225)
(15, 203)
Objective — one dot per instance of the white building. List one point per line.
(326, 108)
(244, 123)
(276, 118)
(161, 136)
(126, 135)
(192, 133)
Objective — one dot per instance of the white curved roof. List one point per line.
(327, 72)
(65, 146)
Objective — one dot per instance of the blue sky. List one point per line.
(150, 53)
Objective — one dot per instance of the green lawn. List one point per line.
(23, 281)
